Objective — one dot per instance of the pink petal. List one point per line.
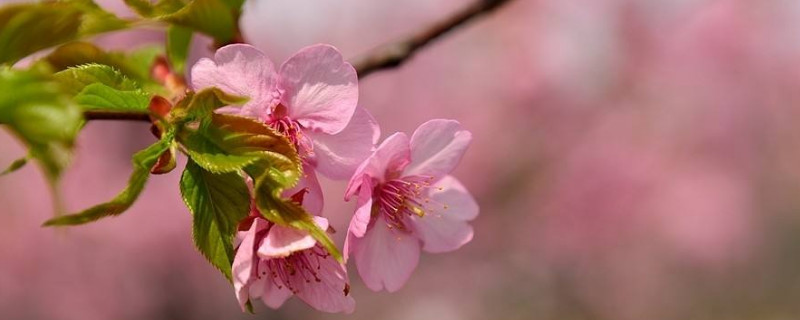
(444, 226)
(313, 200)
(328, 294)
(274, 296)
(319, 88)
(283, 241)
(385, 258)
(241, 70)
(360, 220)
(436, 148)
(337, 156)
(391, 156)
(243, 261)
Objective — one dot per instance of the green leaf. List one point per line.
(16, 165)
(206, 150)
(95, 19)
(229, 143)
(200, 106)
(30, 27)
(278, 169)
(269, 201)
(76, 79)
(212, 17)
(234, 4)
(179, 39)
(100, 96)
(215, 18)
(142, 162)
(34, 107)
(146, 8)
(225, 143)
(27, 28)
(217, 202)
(135, 65)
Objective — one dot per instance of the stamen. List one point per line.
(398, 199)
(304, 266)
(292, 130)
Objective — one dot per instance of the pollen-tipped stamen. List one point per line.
(399, 199)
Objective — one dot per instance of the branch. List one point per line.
(395, 54)
(116, 115)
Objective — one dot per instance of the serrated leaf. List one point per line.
(269, 201)
(223, 143)
(221, 146)
(211, 158)
(100, 96)
(75, 79)
(14, 166)
(142, 162)
(179, 40)
(217, 202)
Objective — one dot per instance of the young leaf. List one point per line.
(77, 78)
(146, 8)
(142, 162)
(135, 65)
(212, 17)
(271, 204)
(36, 110)
(207, 151)
(30, 27)
(217, 202)
(229, 143)
(216, 18)
(179, 39)
(95, 19)
(100, 96)
(44, 25)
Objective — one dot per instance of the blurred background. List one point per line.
(633, 159)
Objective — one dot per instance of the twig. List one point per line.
(116, 115)
(395, 54)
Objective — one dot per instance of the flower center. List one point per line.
(292, 130)
(301, 266)
(398, 199)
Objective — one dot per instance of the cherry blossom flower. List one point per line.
(311, 99)
(407, 201)
(273, 263)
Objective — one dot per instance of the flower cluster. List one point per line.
(406, 201)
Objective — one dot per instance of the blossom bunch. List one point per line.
(406, 199)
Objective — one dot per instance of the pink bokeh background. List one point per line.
(633, 159)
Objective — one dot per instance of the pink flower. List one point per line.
(406, 201)
(312, 99)
(273, 263)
